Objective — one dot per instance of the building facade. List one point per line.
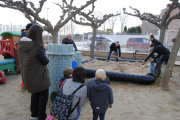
(173, 27)
(149, 28)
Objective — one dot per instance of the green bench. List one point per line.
(8, 64)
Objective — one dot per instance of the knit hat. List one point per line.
(29, 25)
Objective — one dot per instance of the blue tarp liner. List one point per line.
(87, 60)
(112, 59)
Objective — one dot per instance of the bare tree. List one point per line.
(161, 23)
(104, 25)
(99, 15)
(112, 21)
(172, 57)
(164, 22)
(32, 13)
(123, 20)
(88, 19)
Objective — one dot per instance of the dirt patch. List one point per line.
(131, 101)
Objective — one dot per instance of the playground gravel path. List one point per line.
(131, 101)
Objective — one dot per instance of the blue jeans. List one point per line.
(153, 56)
(116, 52)
(101, 115)
(78, 111)
(163, 58)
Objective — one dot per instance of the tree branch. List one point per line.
(80, 22)
(176, 3)
(177, 16)
(145, 16)
(167, 14)
(72, 14)
(105, 17)
(23, 7)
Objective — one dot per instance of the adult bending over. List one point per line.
(163, 55)
(34, 72)
(114, 48)
(68, 40)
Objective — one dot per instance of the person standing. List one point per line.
(114, 48)
(100, 95)
(68, 40)
(24, 31)
(34, 72)
(163, 55)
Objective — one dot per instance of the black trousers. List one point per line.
(38, 104)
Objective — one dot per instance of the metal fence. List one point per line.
(138, 48)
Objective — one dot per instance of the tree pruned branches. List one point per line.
(89, 19)
(162, 22)
(145, 16)
(32, 13)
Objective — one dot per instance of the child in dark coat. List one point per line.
(67, 75)
(100, 95)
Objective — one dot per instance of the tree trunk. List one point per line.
(54, 36)
(93, 42)
(162, 34)
(170, 65)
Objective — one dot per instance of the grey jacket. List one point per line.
(100, 96)
(69, 87)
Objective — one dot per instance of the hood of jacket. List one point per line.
(100, 85)
(25, 44)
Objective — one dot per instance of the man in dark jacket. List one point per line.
(68, 40)
(114, 48)
(153, 40)
(100, 95)
(163, 55)
(24, 31)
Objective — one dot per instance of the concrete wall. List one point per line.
(123, 38)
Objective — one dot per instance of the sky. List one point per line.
(15, 17)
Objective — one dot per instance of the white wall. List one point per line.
(123, 38)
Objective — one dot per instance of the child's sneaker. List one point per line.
(49, 117)
(171, 75)
(33, 118)
(158, 75)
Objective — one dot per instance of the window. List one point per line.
(139, 40)
(145, 41)
(146, 27)
(131, 40)
(153, 28)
